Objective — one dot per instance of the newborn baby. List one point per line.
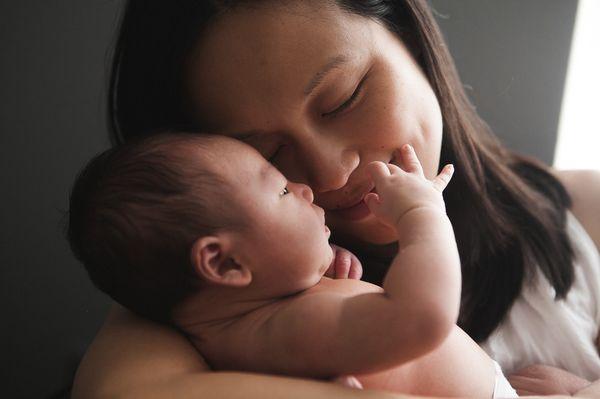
(201, 231)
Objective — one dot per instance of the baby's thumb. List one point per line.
(348, 381)
(372, 200)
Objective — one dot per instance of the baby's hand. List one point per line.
(344, 265)
(400, 191)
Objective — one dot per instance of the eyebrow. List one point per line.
(265, 171)
(268, 170)
(333, 63)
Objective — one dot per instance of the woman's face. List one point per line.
(320, 92)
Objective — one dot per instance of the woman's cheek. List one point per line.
(418, 123)
(371, 120)
(383, 130)
(429, 146)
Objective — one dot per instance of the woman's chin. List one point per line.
(381, 236)
(369, 231)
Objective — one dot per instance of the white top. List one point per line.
(560, 333)
(502, 388)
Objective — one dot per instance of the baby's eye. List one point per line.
(284, 192)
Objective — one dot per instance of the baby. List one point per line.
(203, 232)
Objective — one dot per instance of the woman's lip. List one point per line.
(341, 205)
(355, 212)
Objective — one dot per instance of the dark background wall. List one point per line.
(51, 122)
(511, 54)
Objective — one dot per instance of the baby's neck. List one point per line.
(214, 307)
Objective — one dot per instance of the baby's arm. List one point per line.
(330, 333)
(426, 271)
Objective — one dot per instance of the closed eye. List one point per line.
(349, 101)
(267, 144)
(272, 156)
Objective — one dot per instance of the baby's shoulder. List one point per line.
(247, 341)
(347, 287)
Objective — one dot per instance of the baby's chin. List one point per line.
(328, 260)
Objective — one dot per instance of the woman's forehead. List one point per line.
(269, 56)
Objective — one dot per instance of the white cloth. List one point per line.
(561, 333)
(502, 388)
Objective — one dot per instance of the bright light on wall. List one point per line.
(578, 145)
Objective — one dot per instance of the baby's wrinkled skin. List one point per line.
(266, 305)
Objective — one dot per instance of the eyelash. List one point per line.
(274, 154)
(348, 102)
(283, 192)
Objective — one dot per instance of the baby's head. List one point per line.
(157, 220)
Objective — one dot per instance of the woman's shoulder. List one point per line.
(584, 188)
(128, 345)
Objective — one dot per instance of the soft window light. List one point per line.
(578, 145)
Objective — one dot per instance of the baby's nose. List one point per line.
(305, 191)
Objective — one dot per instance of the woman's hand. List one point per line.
(546, 380)
(345, 265)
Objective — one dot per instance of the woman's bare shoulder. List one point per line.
(584, 188)
(130, 351)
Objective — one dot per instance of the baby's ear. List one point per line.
(212, 262)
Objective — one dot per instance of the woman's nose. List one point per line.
(302, 190)
(327, 163)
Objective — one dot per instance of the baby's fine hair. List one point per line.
(135, 211)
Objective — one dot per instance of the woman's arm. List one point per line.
(584, 188)
(591, 391)
(135, 358)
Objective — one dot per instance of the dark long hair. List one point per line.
(508, 211)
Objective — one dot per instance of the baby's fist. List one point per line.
(345, 265)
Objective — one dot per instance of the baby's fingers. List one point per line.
(356, 270)
(345, 265)
(378, 171)
(410, 161)
(372, 200)
(442, 180)
(343, 261)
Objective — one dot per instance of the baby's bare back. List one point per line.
(216, 341)
(458, 367)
